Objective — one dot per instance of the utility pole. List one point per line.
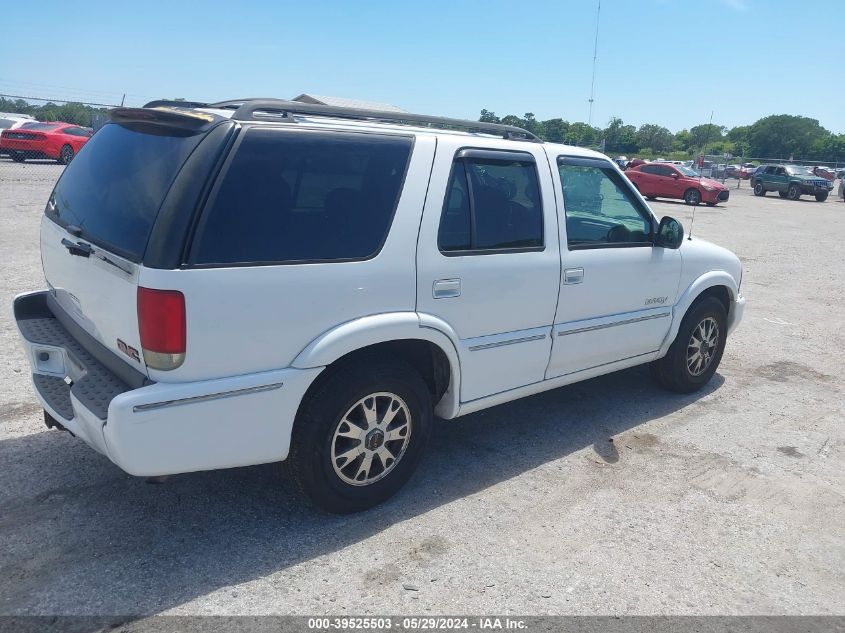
(595, 56)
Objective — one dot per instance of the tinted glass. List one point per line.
(650, 169)
(41, 127)
(455, 232)
(491, 205)
(293, 196)
(113, 190)
(599, 208)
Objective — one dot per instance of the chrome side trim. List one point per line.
(212, 396)
(614, 324)
(513, 341)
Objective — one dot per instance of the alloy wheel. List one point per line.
(371, 438)
(702, 346)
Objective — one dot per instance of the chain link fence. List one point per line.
(37, 130)
(738, 170)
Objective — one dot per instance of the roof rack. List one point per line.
(251, 109)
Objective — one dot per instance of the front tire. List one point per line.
(821, 197)
(692, 196)
(696, 351)
(794, 192)
(18, 157)
(759, 189)
(360, 434)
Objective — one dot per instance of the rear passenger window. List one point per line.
(491, 204)
(304, 196)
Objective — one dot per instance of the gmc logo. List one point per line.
(130, 351)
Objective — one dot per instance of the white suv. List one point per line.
(254, 281)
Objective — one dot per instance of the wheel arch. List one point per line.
(427, 346)
(717, 283)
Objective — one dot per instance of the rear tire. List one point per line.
(703, 331)
(692, 196)
(343, 422)
(18, 157)
(65, 155)
(794, 192)
(759, 189)
(821, 197)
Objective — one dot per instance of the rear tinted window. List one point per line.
(303, 196)
(41, 127)
(114, 187)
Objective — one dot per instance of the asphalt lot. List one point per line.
(605, 497)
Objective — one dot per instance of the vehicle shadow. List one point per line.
(81, 537)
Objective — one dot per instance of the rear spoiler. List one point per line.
(166, 118)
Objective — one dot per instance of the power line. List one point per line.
(104, 105)
(13, 86)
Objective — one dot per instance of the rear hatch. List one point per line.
(99, 218)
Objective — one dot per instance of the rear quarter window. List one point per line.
(299, 196)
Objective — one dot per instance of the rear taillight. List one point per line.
(161, 323)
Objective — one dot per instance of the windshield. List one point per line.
(686, 171)
(797, 171)
(114, 187)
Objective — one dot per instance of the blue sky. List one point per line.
(670, 62)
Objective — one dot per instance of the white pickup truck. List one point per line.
(255, 281)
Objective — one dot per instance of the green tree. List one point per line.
(705, 134)
(655, 137)
(583, 135)
(488, 117)
(784, 135)
(555, 130)
(619, 137)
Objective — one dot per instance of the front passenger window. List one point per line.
(600, 210)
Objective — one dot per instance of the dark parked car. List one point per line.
(790, 181)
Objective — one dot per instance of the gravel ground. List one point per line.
(606, 497)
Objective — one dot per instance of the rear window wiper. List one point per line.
(80, 249)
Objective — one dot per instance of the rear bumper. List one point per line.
(30, 149)
(155, 428)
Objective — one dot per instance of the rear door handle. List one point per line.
(573, 275)
(446, 288)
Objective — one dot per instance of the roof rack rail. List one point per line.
(175, 103)
(250, 109)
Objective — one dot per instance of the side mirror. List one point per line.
(670, 233)
(676, 176)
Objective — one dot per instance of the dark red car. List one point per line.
(52, 140)
(662, 180)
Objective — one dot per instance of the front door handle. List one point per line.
(446, 288)
(573, 275)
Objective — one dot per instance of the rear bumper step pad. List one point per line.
(94, 386)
